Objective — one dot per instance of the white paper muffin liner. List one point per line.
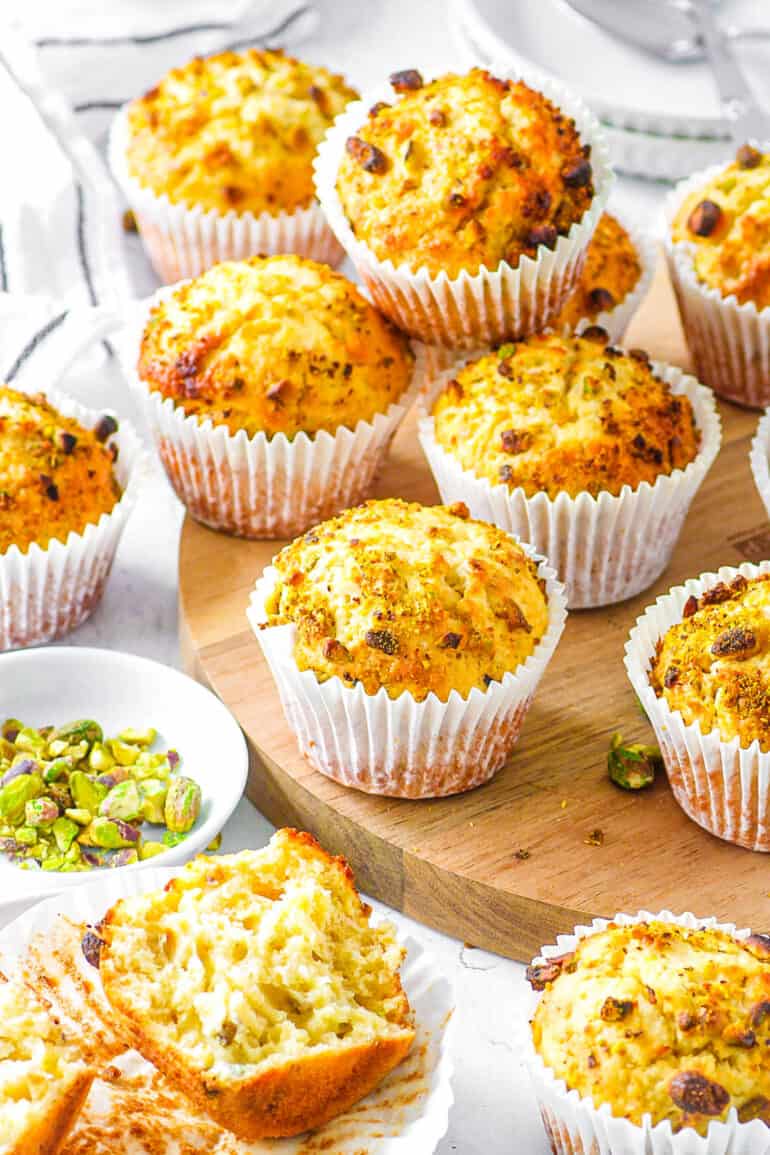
(575, 1126)
(491, 305)
(720, 785)
(398, 746)
(729, 342)
(407, 1114)
(45, 592)
(261, 486)
(607, 548)
(184, 240)
(759, 457)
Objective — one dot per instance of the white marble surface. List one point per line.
(494, 1110)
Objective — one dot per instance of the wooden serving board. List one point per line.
(452, 863)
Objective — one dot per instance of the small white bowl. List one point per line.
(59, 684)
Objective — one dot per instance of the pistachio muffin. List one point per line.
(234, 132)
(56, 476)
(463, 172)
(612, 270)
(274, 345)
(659, 1019)
(572, 415)
(714, 665)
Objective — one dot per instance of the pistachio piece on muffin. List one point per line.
(657, 1019)
(718, 248)
(233, 134)
(395, 622)
(615, 270)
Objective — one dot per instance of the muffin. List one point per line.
(590, 453)
(466, 203)
(68, 480)
(44, 1078)
(616, 276)
(649, 1029)
(216, 161)
(700, 661)
(299, 1012)
(718, 248)
(406, 642)
(273, 389)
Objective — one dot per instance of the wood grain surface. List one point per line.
(452, 863)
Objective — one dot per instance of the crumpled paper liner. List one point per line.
(607, 548)
(576, 1126)
(722, 786)
(45, 592)
(729, 342)
(261, 486)
(184, 240)
(398, 746)
(491, 305)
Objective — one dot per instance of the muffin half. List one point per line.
(258, 985)
(216, 160)
(406, 643)
(273, 389)
(466, 203)
(591, 454)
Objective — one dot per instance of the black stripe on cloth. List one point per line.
(82, 253)
(33, 343)
(3, 269)
(266, 37)
(104, 105)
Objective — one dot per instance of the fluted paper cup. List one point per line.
(607, 548)
(729, 342)
(398, 746)
(47, 591)
(759, 457)
(262, 486)
(491, 305)
(184, 240)
(722, 786)
(575, 1125)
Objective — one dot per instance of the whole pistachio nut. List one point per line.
(632, 766)
(183, 804)
(15, 796)
(152, 792)
(40, 812)
(122, 801)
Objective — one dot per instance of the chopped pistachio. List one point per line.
(632, 766)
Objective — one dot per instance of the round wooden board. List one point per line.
(453, 863)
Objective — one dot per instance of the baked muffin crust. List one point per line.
(611, 271)
(274, 345)
(409, 597)
(56, 477)
(728, 223)
(559, 414)
(714, 665)
(236, 131)
(462, 172)
(660, 1019)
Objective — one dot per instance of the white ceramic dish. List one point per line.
(58, 684)
(408, 1114)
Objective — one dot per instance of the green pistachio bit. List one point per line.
(124, 858)
(79, 752)
(57, 747)
(123, 754)
(65, 832)
(100, 758)
(26, 835)
(215, 843)
(16, 794)
(152, 792)
(72, 854)
(40, 812)
(632, 767)
(56, 769)
(81, 816)
(506, 351)
(138, 737)
(10, 728)
(53, 862)
(183, 804)
(151, 766)
(60, 792)
(171, 838)
(38, 850)
(123, 801)
(86, 793)
(112, 777)
(84, 730)
(108, 833)
(30, 741)
(7, 750)
(150, 849)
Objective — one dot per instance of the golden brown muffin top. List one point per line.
(557, 414)
(236, 131)
(56, 477)
(462, 172)
(611, 271)
(409, 597)
(274, 345)
(728, 222)
(660, 1019)
(714, 665)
